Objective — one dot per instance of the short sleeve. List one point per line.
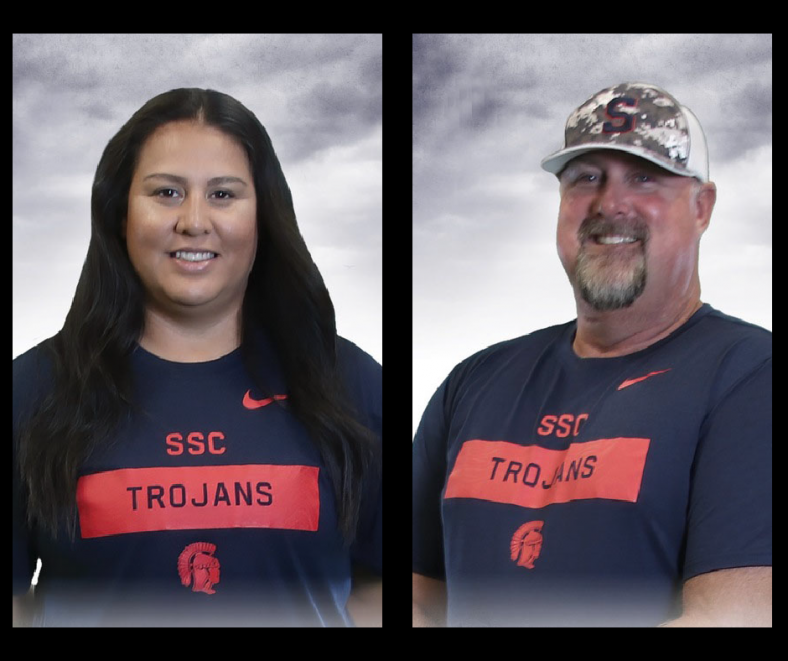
(25, 557)
(364, 377)
(26, 392)
(429, 472)
(367, 550)
(730, 512)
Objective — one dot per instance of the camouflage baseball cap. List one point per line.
(640, 119)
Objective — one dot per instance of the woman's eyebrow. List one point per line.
(216, 181)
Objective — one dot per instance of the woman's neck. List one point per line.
(190, 339)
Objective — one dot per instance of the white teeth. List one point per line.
(611, 240)
(194, 256)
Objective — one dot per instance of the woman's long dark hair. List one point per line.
(285, 297)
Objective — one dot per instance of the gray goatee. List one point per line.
(614, 280)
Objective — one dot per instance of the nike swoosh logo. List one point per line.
(258, 403)
(630, 382)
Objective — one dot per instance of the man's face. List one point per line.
(627, 227)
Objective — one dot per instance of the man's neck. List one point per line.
(622, 332)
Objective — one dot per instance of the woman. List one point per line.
(196, 446)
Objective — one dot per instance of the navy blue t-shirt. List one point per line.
(551, 490)
(211, 508)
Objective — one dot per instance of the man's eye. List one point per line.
(588, 178)
(644, 178)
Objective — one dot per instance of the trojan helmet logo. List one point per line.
(527, 544)
(198, 567)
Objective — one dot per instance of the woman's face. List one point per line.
(191, 229)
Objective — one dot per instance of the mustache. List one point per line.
(596, 226)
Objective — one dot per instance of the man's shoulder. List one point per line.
(517, 351)
(737, 328)
(734, 336)
(534, 341)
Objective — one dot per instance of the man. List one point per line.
(616, 470)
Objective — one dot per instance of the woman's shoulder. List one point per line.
(34, 365)
(364, 379)
(352, 355)
(32, 377)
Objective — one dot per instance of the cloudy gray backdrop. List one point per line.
(318, 96)
(488, 108)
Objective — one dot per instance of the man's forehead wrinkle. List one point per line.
(596, 158)
(601, 161)
(577, 164)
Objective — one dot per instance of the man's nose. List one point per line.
(613, 199)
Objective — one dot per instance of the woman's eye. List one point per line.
(174, 194)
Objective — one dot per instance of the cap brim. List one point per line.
(555, 163)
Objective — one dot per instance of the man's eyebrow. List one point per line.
(639, 165)
(575, 165)
(584, 162)
(216, 181)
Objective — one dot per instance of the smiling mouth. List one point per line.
(613, 239)
(193, 256)
(604, 232)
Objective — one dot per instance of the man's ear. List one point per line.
(705, 199)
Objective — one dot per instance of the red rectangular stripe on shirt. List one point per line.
(198, 497)
(533, 476)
